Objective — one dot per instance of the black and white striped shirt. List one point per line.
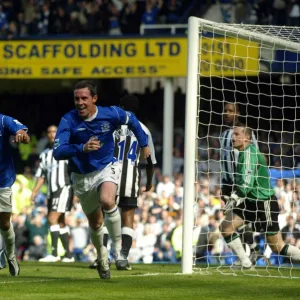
(127, 151)
(55, 172)
(229, 156)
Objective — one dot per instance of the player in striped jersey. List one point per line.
(127, 151)
(229, 157)
(8, 127)
(60, 197)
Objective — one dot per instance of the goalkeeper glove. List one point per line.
(238, 200)
(232, 201)
(225, 199)
(230, 204)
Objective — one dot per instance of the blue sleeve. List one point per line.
(128, 118)
(62, 148)
(12, 125)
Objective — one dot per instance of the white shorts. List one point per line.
(86, 186)
(5, 200)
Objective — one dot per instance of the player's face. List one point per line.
(230, 114)
(239, 139)
(51, 132)
(85, 102)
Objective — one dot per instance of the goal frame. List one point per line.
(195, 25)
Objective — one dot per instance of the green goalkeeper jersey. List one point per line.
(252, 176)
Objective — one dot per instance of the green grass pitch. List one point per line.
(77, 281)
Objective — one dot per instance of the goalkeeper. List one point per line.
(253, 201)
(229, 157)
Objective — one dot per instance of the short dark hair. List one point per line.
(86, 84)
(130, 102)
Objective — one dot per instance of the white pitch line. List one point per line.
(137, 275)
(117, 276)
(147, 275)
(26, 281)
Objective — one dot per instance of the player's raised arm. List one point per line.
(128, 118)
(17, 129)
(62, 148)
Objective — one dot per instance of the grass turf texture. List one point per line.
(77, 281)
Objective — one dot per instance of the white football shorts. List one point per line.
(5, 199)
(86, 186)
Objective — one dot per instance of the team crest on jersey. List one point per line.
(105, 127)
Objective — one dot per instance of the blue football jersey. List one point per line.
(73, 132)
(8, 127)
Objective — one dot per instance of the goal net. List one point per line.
(246, 74)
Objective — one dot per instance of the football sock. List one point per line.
(113, 224)
(291, 251)
(64, 236)
(268, 252)
(97, 239)
(105, 236)
(127, 235)
(235, 244)
(9, 240)
(54, 232)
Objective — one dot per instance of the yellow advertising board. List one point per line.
(228, 57)
(114, 58)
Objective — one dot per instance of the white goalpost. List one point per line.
(256, 68)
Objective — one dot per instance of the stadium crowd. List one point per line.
(262, 12)
(22, 18)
